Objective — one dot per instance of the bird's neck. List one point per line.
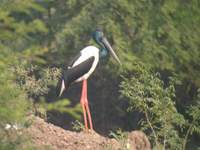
(103, 52)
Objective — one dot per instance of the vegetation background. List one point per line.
(156, 89)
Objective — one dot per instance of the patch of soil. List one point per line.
(56, 138)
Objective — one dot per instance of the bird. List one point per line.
(81, 68)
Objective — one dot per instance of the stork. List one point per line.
(82, 66)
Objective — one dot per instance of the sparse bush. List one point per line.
(147, 94)
(122, 138)
(78, 126)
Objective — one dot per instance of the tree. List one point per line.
(15, 38)
(14, 34)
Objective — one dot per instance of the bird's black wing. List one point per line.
(72, 74)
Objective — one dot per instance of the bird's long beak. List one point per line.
(108, 46)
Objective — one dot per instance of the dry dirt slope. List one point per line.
(56, 138)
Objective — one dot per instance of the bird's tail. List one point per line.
(62, 88)
(62, 85)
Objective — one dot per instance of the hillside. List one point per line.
(45, 134)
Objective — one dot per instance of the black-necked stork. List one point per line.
(82, 66)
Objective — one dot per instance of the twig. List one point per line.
(154, 133)
(164, 142)
(186, 136)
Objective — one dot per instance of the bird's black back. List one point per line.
(71, 74)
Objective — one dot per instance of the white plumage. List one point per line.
(86, 53)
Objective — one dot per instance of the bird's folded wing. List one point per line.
(73, 73)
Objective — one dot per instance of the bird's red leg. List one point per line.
(82, 101)
(86, 106)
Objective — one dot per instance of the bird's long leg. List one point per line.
(87, 107)
(82, 101)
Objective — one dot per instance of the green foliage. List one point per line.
(121, 137)
(15, 139)
(35, 84)
(18, 22)
(158, 33)
(63, 106)
(194, 112)
(15, 37)
(147, 94)
(13, 101)
(78, 126)
(164, 35)
(193, 124)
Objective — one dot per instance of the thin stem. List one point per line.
(186, 136)
(154, 133)
(164, 142)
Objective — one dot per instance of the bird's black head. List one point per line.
(97, 36)
(101, 40)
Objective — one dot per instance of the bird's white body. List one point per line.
(86, 53)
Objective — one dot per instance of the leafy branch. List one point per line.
(193, 126)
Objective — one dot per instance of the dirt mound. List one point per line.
(56, 138)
